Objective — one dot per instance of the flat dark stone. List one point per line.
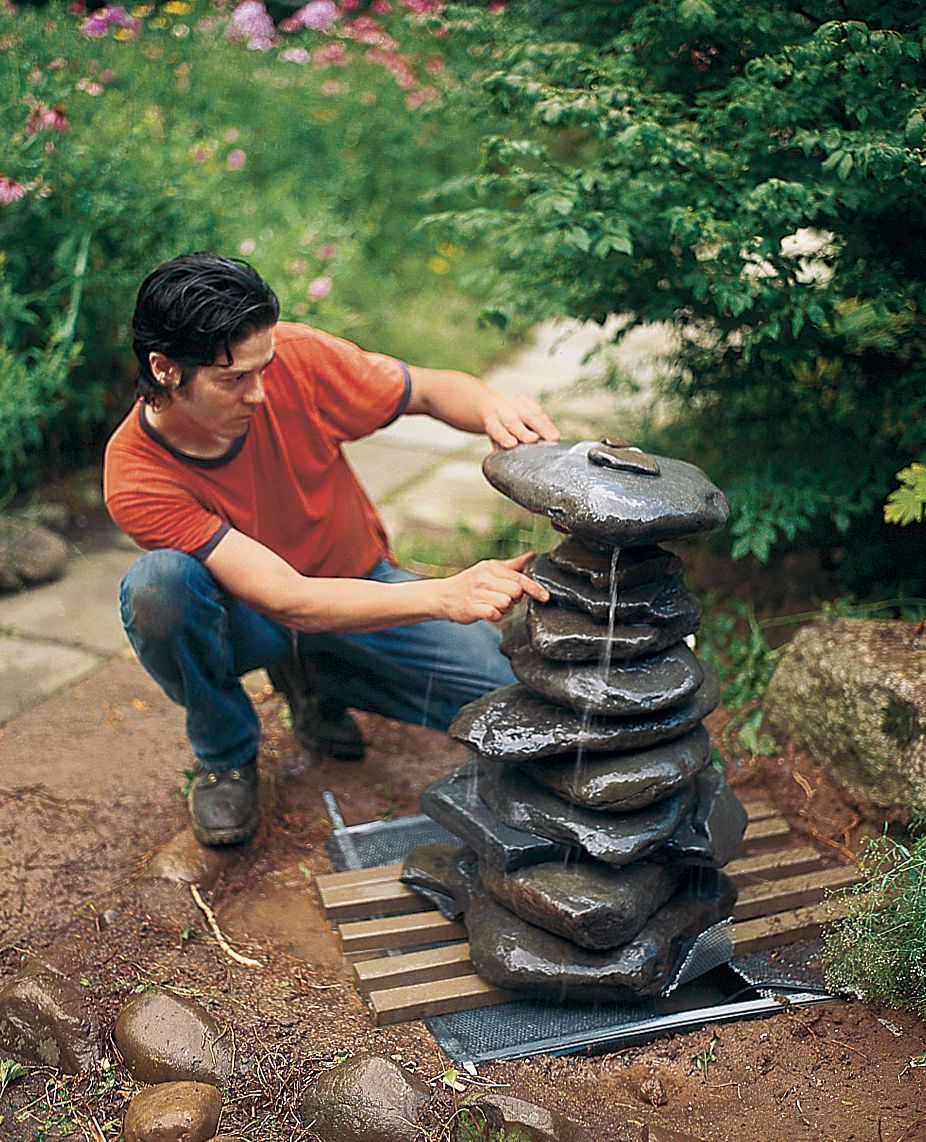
(606, 506)
(714, 831)
(643, 685)
(511, 953)
(614, 838)
(441, 873)
(454, 802)
(664, 601)
(513, 724)
(566, 635)
(593, 905)
(618, 782)
(615, 567)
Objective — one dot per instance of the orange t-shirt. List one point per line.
(285, 482)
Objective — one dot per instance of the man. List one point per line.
(263, 549)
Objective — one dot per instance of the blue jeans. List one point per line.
(196, 640)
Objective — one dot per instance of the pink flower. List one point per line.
(331, 87)
(422, 95)
(316, 16)
(326, 251)
(496, 6)
(236, 159)
(99, 22)
(251, 22)
(423, 5)
(333, 53)
(248, 246)
(89, 85)
(295, 55)
(434, 66)
(10, 190)
(45, 118)
(380, 7)
(200, 155)
(319, 288)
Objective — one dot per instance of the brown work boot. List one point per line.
(223, 806)
(318, 723)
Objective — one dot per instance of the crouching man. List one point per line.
(261, 547)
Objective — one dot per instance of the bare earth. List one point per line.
(91, 783)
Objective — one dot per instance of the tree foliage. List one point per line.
(755, 174)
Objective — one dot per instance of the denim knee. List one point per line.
(158, 589)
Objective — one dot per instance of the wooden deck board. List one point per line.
(421, 963)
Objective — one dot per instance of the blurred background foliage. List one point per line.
(750, 173)
(132, 136)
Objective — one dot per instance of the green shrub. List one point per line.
(879, 949)
(753, 173)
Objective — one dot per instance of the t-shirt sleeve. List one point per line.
(356, 392)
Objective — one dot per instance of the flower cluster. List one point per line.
(316, 16)
(98, 23)
(251, 22)
(41, 117)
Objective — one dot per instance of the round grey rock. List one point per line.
(165, 1038)
(29, 553)
(173, 1112)
(603, 505)
(367, 1099)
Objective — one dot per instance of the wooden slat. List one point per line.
(758, 810)
(381, 898)
(445, 962)
(354, 876)
(792, 892)
(772, 865)
(399, 932)
(765, 834)
(439, 998)
(786, 927)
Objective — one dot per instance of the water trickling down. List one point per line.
(597, 756)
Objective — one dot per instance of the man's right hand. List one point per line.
(488, 590)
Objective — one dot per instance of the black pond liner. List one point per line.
(711, 988)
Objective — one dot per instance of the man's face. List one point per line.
(222, 398)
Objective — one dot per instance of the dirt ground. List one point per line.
(91, 782)
(834, 1072)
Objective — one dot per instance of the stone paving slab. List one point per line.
(81, 609)
(31, 670)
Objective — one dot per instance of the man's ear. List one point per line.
(166, 372)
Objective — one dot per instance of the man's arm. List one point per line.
(260, 578)
(465, 402)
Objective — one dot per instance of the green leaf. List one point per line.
(10, 1071)
(903, 506)
(845, 167)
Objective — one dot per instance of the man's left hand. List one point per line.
(517, 420)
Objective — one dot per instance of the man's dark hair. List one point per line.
(194, 308)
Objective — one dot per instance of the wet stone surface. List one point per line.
(443, 874)
(643, 685)
(603, 505)
(514, 724)
(165, 1038)
(173, 1112)
(713, 832)
(454, 802)
(567, 635)
(495, 1115)
(47, 1017)
(510, 953)
(664, 601)
(612, 567)
(610, 837)
(367, 1099)
(595, 906)
(624, 781)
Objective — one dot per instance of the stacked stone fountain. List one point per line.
(594, 826)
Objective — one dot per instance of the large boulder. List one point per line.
(854, 692)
